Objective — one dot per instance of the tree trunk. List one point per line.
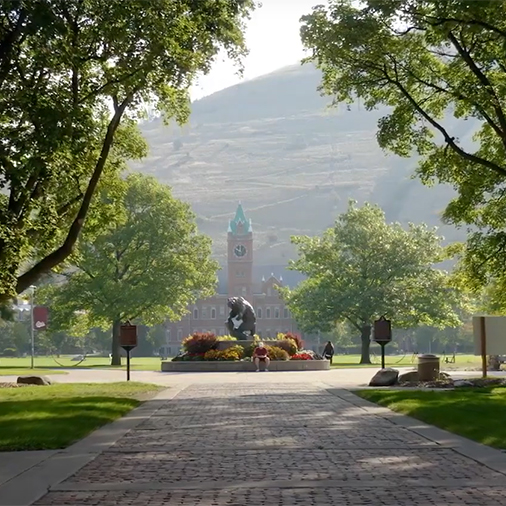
(116, 349)
(366, 344)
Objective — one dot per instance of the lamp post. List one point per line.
(32, 332)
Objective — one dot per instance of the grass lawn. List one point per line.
(18, 371)
(65, 362)
(52, 417)
(477, 414)
(346, 361)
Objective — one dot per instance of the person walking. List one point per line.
(328, 351)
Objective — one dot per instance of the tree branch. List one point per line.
(60, 254)
(483, 79)
(447, 137)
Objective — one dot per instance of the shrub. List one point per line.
(234, 353)
(276, 353)
(200, 342)
(294, 337)
(288, 345)
(10, 352)
(302, 356)
(226, 338)
(248, 350)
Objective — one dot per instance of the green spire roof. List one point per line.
(240, 225)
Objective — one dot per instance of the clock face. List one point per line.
(240, 250)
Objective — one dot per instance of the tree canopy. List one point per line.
(148, 267)
(364, 268)
(434, 65)
(75, 77)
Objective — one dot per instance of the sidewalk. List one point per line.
(271, 443)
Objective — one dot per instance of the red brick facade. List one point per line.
(209, 315)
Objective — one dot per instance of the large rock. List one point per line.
(409, 377)
(462, 384)
(34, 380)
(384, 378)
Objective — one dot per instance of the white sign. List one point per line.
(495, 332)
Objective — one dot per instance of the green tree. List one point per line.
(364, 268)
(147, 268)
(75, 77)
(438, 68)
(156, 336)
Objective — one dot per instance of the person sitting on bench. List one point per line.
(261, 355)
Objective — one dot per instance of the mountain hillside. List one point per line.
(275, 145)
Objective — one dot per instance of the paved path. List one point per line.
(339, 378)
(270, 443)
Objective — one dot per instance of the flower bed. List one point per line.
(207, 347)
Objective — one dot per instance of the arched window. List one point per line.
(180, 334)
(195, 314)
(276, 312)
(213, 313)
(268, 312)
(259, 312)
(285, 313)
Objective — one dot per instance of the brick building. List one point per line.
(209, 315)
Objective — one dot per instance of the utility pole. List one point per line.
(32, 331)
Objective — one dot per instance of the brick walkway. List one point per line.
(284, 444)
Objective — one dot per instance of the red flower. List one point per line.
(302, 356)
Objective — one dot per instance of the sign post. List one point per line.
(483, 347)
(128, 341)
(383, 335)
(39, 318)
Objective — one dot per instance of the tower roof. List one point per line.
(240, 225)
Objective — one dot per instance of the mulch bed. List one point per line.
(447, 382)
(13, 385)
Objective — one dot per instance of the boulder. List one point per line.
(409, 377)
(384, 378)
(34, 380)
(462, 383)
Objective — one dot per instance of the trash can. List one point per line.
(428, 367)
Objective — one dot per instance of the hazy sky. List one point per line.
(273, 40)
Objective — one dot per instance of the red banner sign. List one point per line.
(40, 317)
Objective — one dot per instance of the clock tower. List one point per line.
(240, 255)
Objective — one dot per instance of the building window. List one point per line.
(222, 310)
(195, 331)
(167, 335)
(285, 313)
(244, 290)
(259, 312)
(268, 312)
(179, 334)
(213, 313)
(204, 313)
(213, 331)
(276, 312)
(268, 333)
(196, 314)
(269, 291)
(240, 274)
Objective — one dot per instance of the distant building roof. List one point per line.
(240, 225)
